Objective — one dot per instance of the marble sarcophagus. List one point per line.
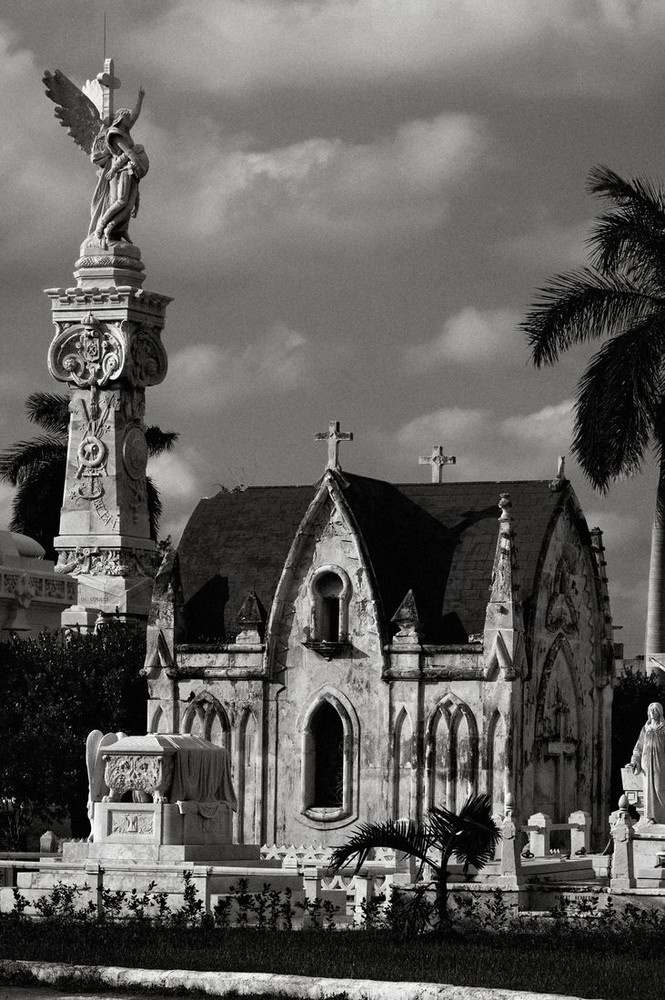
(158, 791)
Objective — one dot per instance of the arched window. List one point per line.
(328, 590)
(328, 746)
(205, 716)
(329, 762)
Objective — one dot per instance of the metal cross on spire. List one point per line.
(437, 460)
(333, 436)
(109, 82)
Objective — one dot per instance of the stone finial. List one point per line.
(436, 461)
(408, 620)
(251, 619)
(333, 436)
(560, 479)
(504, 627)
(504, 586)
(606, 664)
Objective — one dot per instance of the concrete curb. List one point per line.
(221, 984)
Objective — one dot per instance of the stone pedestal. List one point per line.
(107, 349)
(633, 786)
(159, 832)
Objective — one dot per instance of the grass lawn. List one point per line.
(608, 965)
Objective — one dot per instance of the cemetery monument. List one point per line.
(107, 349)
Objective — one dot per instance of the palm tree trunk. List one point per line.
(441, 882)
(655, 634)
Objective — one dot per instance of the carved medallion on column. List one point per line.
(86, 354)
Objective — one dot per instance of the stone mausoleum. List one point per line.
(367, 650)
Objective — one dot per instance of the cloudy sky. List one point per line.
(352, 202)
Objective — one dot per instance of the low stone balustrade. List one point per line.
(540, 828)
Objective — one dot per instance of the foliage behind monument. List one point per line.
(54, 691)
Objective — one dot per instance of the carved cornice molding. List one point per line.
(25, 587)
(111, 296)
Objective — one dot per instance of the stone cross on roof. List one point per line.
(333, 436)
(109, 82)
(437, 460)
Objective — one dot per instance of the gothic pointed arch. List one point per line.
(464, 757)
(403, 767)
(159, 722)
(557, 732)
(496, 761)
(437, 756)
(452, 753)
(206, 716)
(248, 778)
(330, 735)
(328, 494)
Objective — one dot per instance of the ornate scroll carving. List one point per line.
(148, 361)
(86, 354)
(138, 773)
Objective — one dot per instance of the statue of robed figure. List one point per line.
(106, 138)
(648, 758)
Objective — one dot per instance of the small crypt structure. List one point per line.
(367, 650)
(32, 595)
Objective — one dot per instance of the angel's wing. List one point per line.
(75, 111)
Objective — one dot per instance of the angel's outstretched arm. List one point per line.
(137, 109)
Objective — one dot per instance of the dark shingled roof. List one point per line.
(437, 539)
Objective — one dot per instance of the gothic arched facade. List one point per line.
(368, 651)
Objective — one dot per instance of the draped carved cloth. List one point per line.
(202, 774)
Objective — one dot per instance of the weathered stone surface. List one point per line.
(471, 695)
(259, 983)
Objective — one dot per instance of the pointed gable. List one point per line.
(436, 539)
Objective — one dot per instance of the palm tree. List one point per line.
(470, 836)
(620, 407)
(37, 469)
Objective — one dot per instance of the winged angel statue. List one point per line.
(120, 162)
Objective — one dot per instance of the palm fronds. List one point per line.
(50, 410)
(631, 237)
(24, 458)
(159, 441)
(37, 469)
(400, 835)
(154, 507)
(618, 404)
(585, 305)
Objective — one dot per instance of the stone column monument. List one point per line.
(107, 349)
